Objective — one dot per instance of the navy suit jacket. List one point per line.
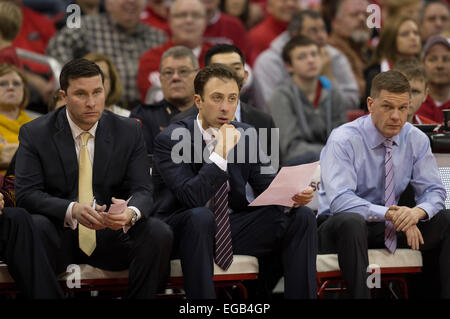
(190, 184)
(47, 167)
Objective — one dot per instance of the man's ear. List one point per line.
(245, 77)
(289, 67)
(198, 101)
(427, 91)
(369, 104)
(62, 95)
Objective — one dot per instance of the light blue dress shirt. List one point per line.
(352, 170)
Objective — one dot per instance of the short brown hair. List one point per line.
(6, 68)
(391, 81)
(412, 69)
(115, 93)
(214, 70)
(78, 68)
(11, 20)
(297, 41)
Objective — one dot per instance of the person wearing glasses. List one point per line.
(178, 68)
(187, 22)
(14, 96)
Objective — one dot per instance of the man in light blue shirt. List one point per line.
(365, 166)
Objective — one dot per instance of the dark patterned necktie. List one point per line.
(224, 248)
(390, 235)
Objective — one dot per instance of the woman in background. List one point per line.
(113, 87)
(399, 40)
(14, 96)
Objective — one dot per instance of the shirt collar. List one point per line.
(76, 131)
(208, 138)
(373, 136)
(237, 114)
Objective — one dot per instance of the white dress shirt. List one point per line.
(69, 221)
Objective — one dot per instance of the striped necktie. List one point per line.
(224, 249)
(86, 236)
(390, 235)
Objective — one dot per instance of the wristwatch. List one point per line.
(134, 218)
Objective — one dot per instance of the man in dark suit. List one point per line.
(201, 165)
(177, 71)
(56, 151)
(231, 56)
(21, 248)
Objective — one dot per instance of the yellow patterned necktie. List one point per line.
(86, 236)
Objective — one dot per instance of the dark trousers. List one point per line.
(22, 250)
(268, 232)
(144, 250)
(350, 236)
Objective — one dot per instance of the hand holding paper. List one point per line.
(118, 214)
(287, 186)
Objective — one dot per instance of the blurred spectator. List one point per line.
(270, 70)
(250, 14)
(119, 34)
(11, 20)
(404, 8)
(111, 82)
(279, 13)
(34, 35)
(436, 57)
(414, 71)
(55, 101)
(14, 96)
(305, 107)
(87, 7)
(350, 35)
(434, 19)
(223, 28)
(399, 39)
(156, 14)
(178, 68)
(187, 21)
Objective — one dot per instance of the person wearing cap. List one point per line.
(436, 59)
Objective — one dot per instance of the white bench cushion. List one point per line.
(241, 265)
(382, 257)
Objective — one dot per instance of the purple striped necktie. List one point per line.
(224, 249)
(390, 235)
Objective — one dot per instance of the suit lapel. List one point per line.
(103, 149)
(198, 144)
(66, 147)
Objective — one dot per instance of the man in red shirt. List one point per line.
(156, 15)
(436, 57)
(279, 13)
(187, 21)
(223, 28)
(34, 35)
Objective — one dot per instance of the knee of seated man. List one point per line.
(159, 232)
(304, 214)
(17, 215)
(200, 219)
(350, 223)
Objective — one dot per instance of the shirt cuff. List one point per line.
(219, 161)
(429, 210)
(376, 213)
(69, 221)
(138, 213)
